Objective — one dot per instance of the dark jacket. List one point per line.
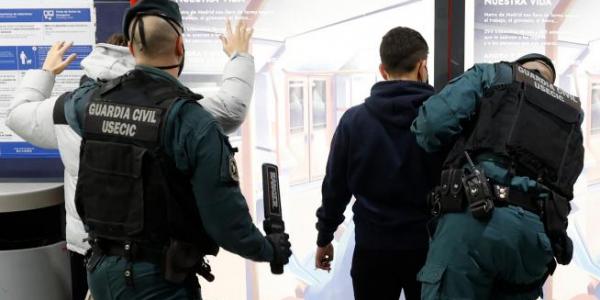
(442, 117)
(375, 158)
(195, 142)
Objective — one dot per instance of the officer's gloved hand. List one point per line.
(562, 246)
(281, 247)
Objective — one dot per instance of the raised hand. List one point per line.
(54, 61)
(237, 40)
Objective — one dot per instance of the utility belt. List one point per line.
(459, 190)
(456, 192)
(180, 261)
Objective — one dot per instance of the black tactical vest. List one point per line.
(128, 189)
(532, 127)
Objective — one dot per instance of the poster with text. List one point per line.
(313, 60)
(28, 29)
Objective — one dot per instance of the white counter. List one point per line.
(16, 196)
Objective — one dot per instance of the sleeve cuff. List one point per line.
(236, 54)
(241, 67)
(39, 80)
(268, 253)
(324, 238)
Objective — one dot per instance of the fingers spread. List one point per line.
(228, 27)
(223, 39)
(55, 46)
(70, 59)
(238, 27)
(243, 28)
(249, 32)
(64, 47)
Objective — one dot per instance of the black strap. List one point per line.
(58, 113)
(502, 196)
(137, 252)
(169, 67)
(516, 197)
(133, 27)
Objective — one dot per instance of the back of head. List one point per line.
(540, 63)
(401, 50)
(153, 37)
(152, 27)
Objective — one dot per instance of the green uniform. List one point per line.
(469, 258)
(195, 142)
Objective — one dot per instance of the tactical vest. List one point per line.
(531, 127)
(128, 189)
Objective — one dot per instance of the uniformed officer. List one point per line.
(503, 216)
(158, 185)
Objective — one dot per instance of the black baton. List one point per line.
(273, 222)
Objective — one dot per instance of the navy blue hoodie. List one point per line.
(375, 158)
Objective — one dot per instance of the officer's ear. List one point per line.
(422, 71)
(130, 46)
(383, 72)
(179, 48)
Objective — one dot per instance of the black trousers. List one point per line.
(383, 274)
(79, 285)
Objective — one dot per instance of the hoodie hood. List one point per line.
(107, 62)
(397, 102)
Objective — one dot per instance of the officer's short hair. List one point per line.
(159, 34)
(401, 49)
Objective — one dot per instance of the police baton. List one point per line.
(273, 222)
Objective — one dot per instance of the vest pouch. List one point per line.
(541, 133)
(452, 192)
(495, 117)
(113, 197)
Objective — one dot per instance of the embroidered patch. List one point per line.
(233, 169)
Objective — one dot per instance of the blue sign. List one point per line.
(81, 51)
(17, 58)
(23, 149)
(8, 58)
(21, 15)
(45, 15)
(27, 57)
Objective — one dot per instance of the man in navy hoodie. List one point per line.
(375, 158)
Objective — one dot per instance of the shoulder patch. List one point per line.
(526, 76)
(233, 169)
(229, 169)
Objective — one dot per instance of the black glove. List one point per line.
(556, 211)
(562, 246)
(281, 247)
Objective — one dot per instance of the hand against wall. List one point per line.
(54, 61)
(237, 40)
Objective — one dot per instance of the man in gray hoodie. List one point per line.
(31, 115)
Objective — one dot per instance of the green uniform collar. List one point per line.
(158, 73)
